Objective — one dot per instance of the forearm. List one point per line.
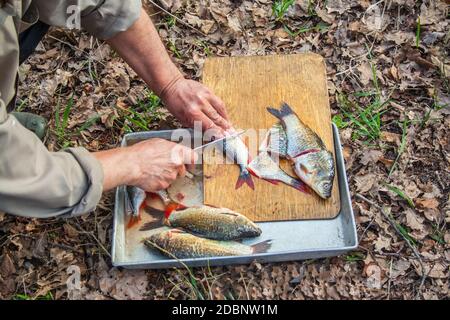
(118, 167)
(141, 47)
(37, 183)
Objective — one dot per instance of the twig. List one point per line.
(74, 48)
(390, 280)
(91, 233)
(394, 225)
(176, 18)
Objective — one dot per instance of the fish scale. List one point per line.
(182, 245)
(213, 223)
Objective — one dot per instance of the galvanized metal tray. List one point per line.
(291, 240)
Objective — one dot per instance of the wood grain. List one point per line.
(248, 85)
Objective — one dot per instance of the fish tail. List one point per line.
(245, 177)
(283, 112)
(134, 220)
(286, 109)
(151, 225)
(261, 247)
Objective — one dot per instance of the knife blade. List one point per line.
(235, 135)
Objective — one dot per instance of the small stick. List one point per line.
(394, 225)
(176, 18)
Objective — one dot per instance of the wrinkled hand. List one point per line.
(191, 101)
(157, 163)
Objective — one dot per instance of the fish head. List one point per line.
(246, 227)
(316, 169)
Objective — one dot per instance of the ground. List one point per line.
(388, 71)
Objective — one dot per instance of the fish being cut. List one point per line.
(275, 141)
(236, 151)
(313, 163)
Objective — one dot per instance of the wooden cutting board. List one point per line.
(248, 85)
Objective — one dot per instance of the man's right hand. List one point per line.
(151, 165)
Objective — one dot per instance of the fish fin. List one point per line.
(171, 207)
(275, 112)
(152, 225)
(286, 109)
(275, 182)
(301, 186)
(133, 221)
(245, 177)
(230, 213)
(154, 212)
(252, 172)
(261, 247)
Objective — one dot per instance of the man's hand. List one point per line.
(187, 100)
(151, 165)
(191, 101)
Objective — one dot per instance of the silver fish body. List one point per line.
(236, 151)
(313, 164)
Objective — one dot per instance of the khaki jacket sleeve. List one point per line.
(37, 183)
(101, 18)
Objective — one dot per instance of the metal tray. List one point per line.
(291, 240)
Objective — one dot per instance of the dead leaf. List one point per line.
(365, 182)
(371, 156)
(427, 203)
(414, 221)
(7, 267)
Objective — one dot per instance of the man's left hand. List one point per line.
(191, 101)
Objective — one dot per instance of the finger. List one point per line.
(219, 105)
(208, 124)
(181, 170)
(212, 114)
(187, 155)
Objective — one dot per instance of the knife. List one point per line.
(235, 135)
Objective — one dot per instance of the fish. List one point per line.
(135, 201)
(264, 167)
(275, 141)
(313, 163)
(213, 223)
(187, 191)
(179, 244)
(236, 151)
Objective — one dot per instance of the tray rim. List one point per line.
(288, 255)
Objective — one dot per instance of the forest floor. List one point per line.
(388, 73)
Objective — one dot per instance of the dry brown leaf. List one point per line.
(427, 203)
(365, 182)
